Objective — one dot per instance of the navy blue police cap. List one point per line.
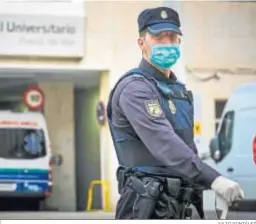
(160, 19)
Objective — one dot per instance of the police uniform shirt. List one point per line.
(130, 109)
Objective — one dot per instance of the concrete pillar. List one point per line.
(105, 141)
(59, 112)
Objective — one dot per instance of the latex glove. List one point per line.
(229, 190)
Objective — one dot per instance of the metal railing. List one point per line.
(106, 195)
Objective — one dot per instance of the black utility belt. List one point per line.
(170, 185)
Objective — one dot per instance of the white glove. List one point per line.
(229, 190)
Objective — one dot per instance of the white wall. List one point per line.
(219, 34)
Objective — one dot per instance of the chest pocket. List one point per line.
(177, 104)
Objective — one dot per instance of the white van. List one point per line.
(25, 156)
(234, 147)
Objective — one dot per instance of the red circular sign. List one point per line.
(34, 98)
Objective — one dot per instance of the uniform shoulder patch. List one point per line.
(153, 108)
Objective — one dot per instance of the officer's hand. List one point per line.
(229, 190)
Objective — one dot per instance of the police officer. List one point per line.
(150, 116)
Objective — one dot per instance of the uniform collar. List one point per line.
(147, 67)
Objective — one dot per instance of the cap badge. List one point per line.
(163, 14)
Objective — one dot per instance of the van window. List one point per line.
(18, 143)
(226, 134)
(219, 107)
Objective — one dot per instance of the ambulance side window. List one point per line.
(226, 134)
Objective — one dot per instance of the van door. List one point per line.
(225, 164)
(244, 168)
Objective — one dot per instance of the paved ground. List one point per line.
(236, 215)
(99, 215)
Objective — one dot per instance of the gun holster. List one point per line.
(148, 191)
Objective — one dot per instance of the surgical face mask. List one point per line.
(164, 56)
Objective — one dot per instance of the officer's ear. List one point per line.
(141, 38)
(179, 39)
(141, 42)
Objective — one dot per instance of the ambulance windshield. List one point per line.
(21, 143)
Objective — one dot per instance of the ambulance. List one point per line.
(25, 156)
